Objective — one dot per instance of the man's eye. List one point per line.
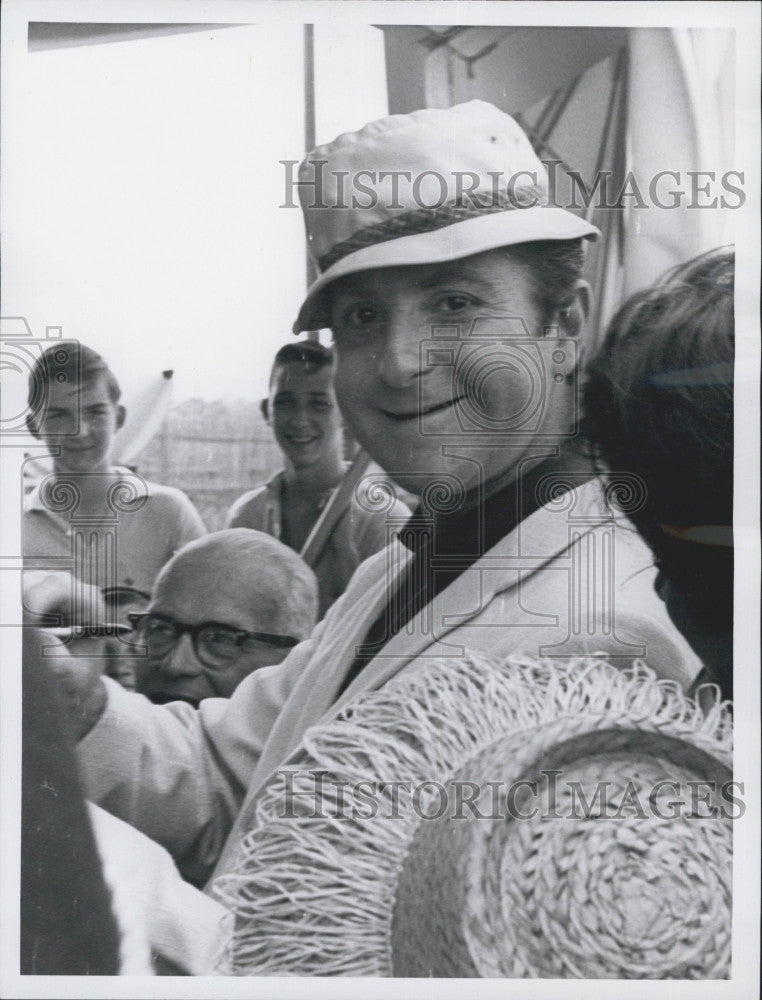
(454, 303)
(219, 636)
(158, 629)
(360, 315)
(321, 405)
(216, 634)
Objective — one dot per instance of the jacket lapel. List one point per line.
(316, 691)
(533, 543)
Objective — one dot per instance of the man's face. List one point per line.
(444, 369)
(304, 416)
(82, 420)
(184, 593)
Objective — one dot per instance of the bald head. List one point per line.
(241, 572)
(224, 606)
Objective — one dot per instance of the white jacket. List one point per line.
(569, 579)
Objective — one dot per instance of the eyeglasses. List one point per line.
(117, 597)
(215, 645)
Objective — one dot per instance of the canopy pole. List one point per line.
(309, 130)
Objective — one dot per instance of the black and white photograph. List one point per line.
(380, 499)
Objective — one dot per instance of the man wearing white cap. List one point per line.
(454, 295)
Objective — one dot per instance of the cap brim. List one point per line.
(453, 242)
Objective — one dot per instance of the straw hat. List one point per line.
(601, 872)
(432, 186)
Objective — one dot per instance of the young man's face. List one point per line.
(185, 594)
(303, 414)
(443, 369)
(82, 421)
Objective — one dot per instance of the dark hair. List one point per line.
(555, 267)
(67, 361)
(307, 352)
(658, 402)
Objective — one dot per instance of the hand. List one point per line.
(78, 679)
(66, 600)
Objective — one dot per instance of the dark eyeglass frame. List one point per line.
(238, 636)
(116, 596)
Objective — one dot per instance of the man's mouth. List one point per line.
(301, 440)
(162, 698)
(421, 411)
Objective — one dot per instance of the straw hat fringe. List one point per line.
(313, 891)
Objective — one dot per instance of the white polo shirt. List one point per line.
(142, 526)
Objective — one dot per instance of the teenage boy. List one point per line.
(91, 526)
(302, 411)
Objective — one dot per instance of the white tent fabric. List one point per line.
(146, 411)
(680, 118)
(625, 101)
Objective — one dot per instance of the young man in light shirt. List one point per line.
(91, 526)
(302, 411)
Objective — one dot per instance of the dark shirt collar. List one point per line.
(489, 512)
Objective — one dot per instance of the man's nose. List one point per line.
(85, 426)
(400, 362)
(181, 660)
(301, 415)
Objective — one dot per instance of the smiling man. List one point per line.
(434, 354)
(91, 524)
(456, 316)
(302, 411)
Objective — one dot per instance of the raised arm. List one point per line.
(179, 774)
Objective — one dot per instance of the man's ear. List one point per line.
(265, 409)
(121, 416)
(572, 320)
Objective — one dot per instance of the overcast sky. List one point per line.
(142, 204)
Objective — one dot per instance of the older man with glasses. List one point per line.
(223, 606)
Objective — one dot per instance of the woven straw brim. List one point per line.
(587, 887)
(324, 888)
(453, 242)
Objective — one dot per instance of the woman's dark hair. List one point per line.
(658, 402)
